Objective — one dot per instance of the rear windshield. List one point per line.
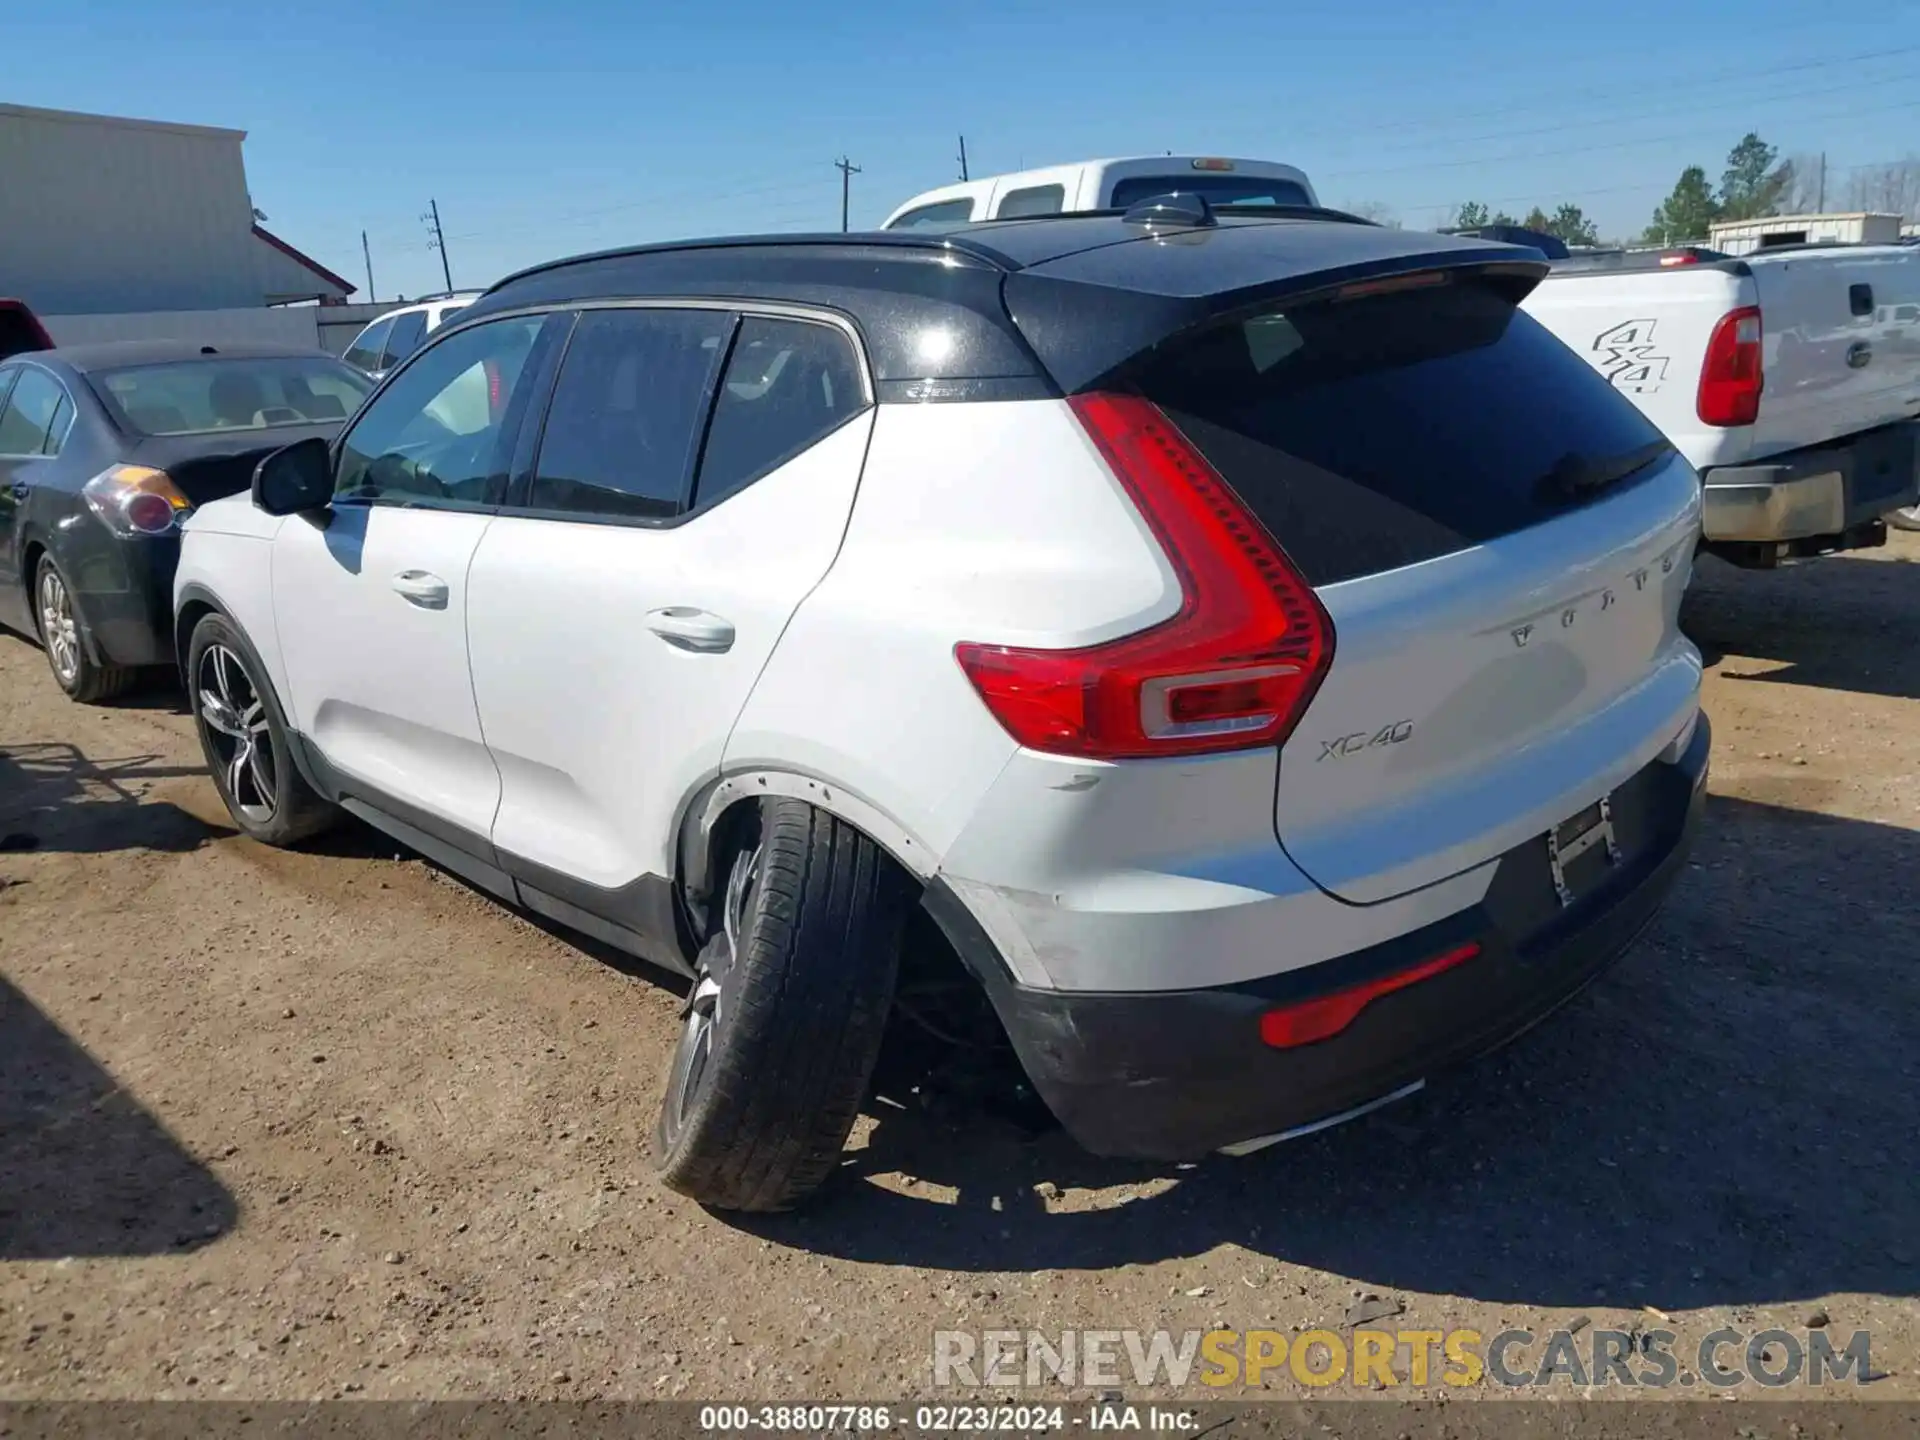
(190, 397)
(1373, 433)
(1218, 189)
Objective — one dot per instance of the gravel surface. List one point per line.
(296, 1125)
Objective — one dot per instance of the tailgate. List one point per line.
(1501, 543)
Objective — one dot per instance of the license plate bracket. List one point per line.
(1574, 837)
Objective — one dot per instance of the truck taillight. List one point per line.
(1731, 379)
(1234, 668)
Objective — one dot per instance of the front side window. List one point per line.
(626, 413)
(367, 347)
(944, 212)
(29, 413)
(789, 384)
(437, 434)
(201, 396)
(405, 337)
(1034, 200)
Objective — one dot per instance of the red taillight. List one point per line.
(1327, 1015)
(1234, 668)
(1731, 379)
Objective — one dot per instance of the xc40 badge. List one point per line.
(1365, 740)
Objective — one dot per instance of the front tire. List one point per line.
(70, 649)
(786, 1015)
(244, 735)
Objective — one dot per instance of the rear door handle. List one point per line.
(688, 628)
(422, 588)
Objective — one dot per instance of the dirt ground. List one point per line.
(305, 1125)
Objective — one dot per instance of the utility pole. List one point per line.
(438, 240)
(369, 259)
(847, 171)
(963, 159)
(1821, 208)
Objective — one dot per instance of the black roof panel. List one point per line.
(1024, 306)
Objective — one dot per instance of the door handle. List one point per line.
(688, 628)
(421, 588)
(20, 489)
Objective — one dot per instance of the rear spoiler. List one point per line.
(1084, 319)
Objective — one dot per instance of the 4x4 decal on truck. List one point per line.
(1625, 355)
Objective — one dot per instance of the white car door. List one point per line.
(370, 597)
(624, 603)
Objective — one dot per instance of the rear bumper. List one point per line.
(1173, 1075)
(1827, 490)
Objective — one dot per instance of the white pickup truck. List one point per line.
(1789, 378)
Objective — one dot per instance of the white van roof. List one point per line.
(1086, 184)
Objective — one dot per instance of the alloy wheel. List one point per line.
(703, 1010)
(58, 631)
(235, 718)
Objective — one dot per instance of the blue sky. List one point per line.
(580, 124)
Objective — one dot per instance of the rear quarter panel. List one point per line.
(993, 522)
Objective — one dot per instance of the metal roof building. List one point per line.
(102, 215)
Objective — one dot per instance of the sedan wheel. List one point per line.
(58, 632)
(238, 733)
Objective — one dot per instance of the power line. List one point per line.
(1638, 113)
(1615, 93)
(1610, 145)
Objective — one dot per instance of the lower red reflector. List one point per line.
(1327, 1015)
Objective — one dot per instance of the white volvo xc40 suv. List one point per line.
(1247, 642)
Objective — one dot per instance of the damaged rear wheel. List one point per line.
(787, 1011)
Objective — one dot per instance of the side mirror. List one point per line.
(295, 479)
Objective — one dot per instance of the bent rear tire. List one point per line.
(244, 735)
(786, 1015)
(69, 647)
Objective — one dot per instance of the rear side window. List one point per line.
(1034, 200)
(945, 212)
(789, 384)
(625, 417)
(30, 412)
(1218, 189)
(1378, 432)
(57, 428)
(407, 333)
(365, 350)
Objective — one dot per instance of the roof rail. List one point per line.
(945, 241)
